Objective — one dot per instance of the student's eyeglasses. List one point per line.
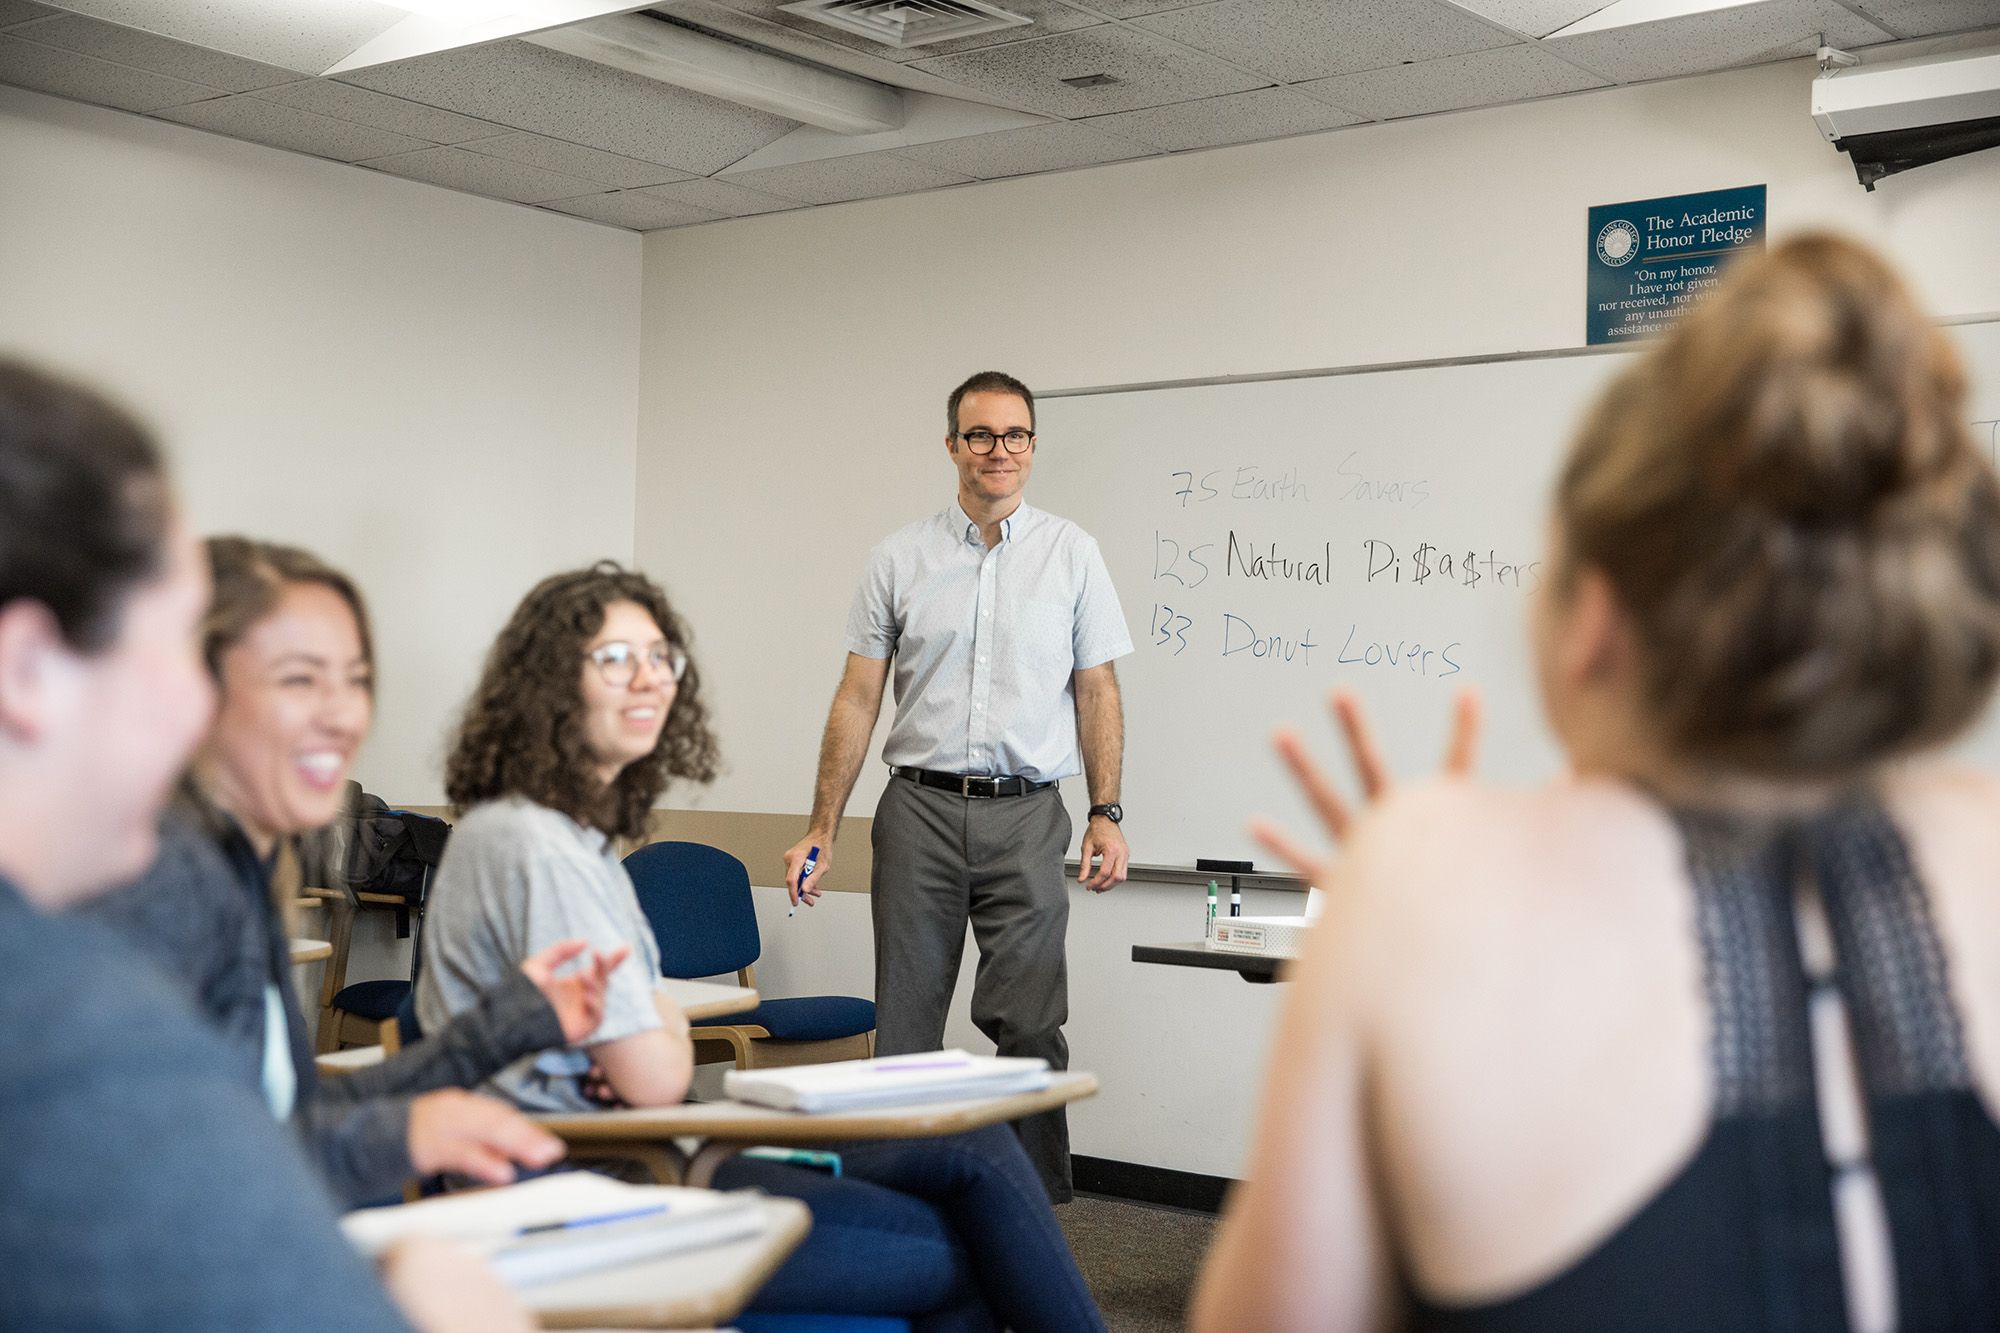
(618, 662)
(981, 441)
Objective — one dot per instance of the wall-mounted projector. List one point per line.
(1891, 115)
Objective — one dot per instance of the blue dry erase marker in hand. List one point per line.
(805, 873)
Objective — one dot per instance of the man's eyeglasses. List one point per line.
(618, 662)
(982, 441)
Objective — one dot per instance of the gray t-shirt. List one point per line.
(516, 878)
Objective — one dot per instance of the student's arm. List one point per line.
(368, 1149)
(555, 998)
(1302, 1244)
(1100, 730)
(849, 723)
(650, 1068)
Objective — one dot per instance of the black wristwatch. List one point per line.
(1113, 812)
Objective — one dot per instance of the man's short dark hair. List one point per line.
(84, 503)
(987, 381)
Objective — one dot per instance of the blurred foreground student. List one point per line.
(1707, 1034)
(144, 1184)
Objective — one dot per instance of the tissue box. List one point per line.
(1280, 935)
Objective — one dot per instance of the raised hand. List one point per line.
(1461, 759)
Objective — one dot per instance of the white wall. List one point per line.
(795, 367)
(433, 391)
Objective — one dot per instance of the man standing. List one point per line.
(1002, 625)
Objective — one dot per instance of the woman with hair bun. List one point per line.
(1705, 1034)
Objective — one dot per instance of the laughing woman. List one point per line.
(588, 706)
(287, 644)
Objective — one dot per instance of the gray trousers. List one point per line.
(941, 860)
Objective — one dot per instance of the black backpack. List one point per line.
(371, 848)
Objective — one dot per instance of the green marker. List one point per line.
(1211, 902)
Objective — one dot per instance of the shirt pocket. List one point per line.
(1043, 638)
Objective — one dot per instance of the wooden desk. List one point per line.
(1257, 967)
(310, 951)
(708, 999)
(700, 1289)
(335, 1063)
(726, 1128)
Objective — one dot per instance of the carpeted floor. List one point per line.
(1140, 1260)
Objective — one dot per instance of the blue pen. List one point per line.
(805, 873)
(595, 1220)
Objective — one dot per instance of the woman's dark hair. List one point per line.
(250, 576)
(84, 503)
(1789, 507)
(523, 731)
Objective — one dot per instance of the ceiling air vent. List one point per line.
(907, 23)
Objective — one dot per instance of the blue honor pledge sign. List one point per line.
(1650, 257)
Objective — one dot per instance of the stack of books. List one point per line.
(897, 1080)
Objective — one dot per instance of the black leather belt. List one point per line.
(971, 784)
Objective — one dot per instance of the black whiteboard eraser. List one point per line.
(1212, 866)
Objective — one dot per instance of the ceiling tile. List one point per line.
(344, 101)
(20, 11)
(1716, 39)
(530, 87)
(50, 69)
(1049, 16)
(160, 55)
(1019, 152)
(629, 208)
(1263, 113)
(722, 197)
(1484, 78)
(573, 159)
(1292, 40)
(305, 37)
(483, 175)
(1537, 18)
(1150, 70)
(1924, 18)
(862, 176)
(252, 118)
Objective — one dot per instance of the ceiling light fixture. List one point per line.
(447, 25)
(468, 11)
(686, 58)
(1630, 13)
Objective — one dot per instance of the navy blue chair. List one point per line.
(697, 899)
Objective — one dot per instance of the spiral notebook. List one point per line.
(561, 1225)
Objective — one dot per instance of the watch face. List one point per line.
(1113, 812)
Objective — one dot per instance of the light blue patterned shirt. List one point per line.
(985, 642)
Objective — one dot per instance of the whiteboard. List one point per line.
(1273, 540)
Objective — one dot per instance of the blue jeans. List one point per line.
(955, 1233)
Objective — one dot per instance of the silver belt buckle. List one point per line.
(965, 781)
